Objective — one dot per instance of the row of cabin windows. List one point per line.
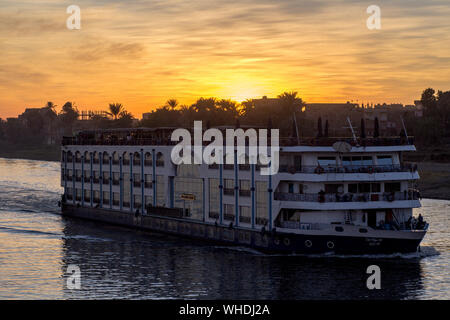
(115, 201)
(106, 177)
(382, 160)
(148, 161)
(352, 187)
(244, 187)
(245, 213)
(363, 187)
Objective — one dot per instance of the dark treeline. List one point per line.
(284, 115)
(434, 127)
(47, 126)
(288, 113)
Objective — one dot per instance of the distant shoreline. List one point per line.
(434, 182)
(30, 152)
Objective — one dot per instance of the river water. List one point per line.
(37, 246)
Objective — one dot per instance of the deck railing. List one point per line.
(404, 167)
(347, 197)
(114, 139)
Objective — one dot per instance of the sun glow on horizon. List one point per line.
(227, 49)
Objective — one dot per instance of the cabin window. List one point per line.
(116, 198)
(229, 184)
(300, 188)
(298, 162)
(148, 181)
(96, 176)
(228, 211)
(105, 197)
(392, 187)
(137, 201)
(291, 188)
(78, 194)
(326, 161)
(105, 177)
(347, 161)
(244, 211)
(362, 161)
(364, 187)
(375, 187)
(384, 160)
(244, 184)
(96, 196)
(334, 188)
(159, 160)
(116, 178)
(148, 201)
(87, 195)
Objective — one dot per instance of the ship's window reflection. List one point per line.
(326, 161)
(357, 161)
(392, 187)
(384, 160)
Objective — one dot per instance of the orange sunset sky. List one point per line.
(141, 53)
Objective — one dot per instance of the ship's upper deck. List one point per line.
(162, 137)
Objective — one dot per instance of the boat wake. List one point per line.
(27, 231)
(424, 252)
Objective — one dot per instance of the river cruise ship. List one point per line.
(330, 195)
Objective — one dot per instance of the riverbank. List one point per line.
(434, 182)
(30, 152)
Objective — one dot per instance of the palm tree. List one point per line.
(291, 104)
(115, 109)
(363, 129)
(50, 106)
(230, 110)
(68, 115)
(172, 103)
(51, 115)
(319, 128)
(125, 119)
(376, 131)
(248, 106)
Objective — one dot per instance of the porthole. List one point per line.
(276, 241)
(339, 229)
(287, 242)
(308, 243)
(330, 244)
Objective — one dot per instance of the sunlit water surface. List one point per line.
(37, 245)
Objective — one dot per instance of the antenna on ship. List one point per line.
(353, 131)
(404, 129)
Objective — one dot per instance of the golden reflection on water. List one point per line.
(37, 245)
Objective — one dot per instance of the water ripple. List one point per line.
(37, 245)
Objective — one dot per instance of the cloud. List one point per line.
(140, 51)
(102, 49)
